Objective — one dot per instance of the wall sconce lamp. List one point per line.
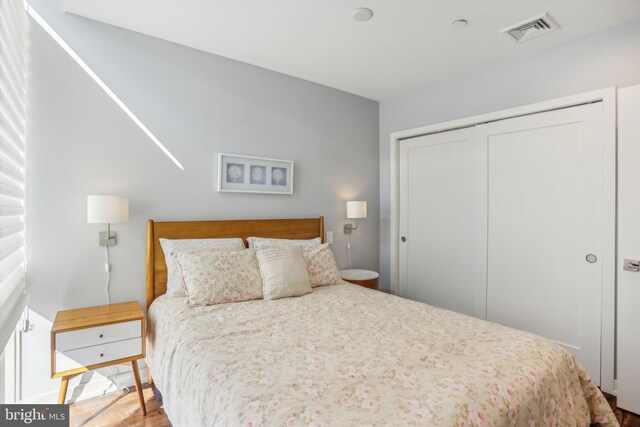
(107, 210)
(355, 210)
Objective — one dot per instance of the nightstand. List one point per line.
(366, 278)
(95, 337)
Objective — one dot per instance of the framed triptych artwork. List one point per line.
(244, 174)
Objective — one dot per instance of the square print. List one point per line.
(235, 173)
(279, 176)
(258, 175)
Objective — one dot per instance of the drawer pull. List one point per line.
(101, 354)
(101, 335)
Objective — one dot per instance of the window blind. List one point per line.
(13, 63)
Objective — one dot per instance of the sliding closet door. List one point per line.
(545, 227)
(439, 221)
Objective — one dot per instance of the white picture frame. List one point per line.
(248, 174)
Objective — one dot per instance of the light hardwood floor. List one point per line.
(120, 409)
(627, 419)
(123, 410)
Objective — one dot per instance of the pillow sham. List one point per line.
(321, 265)
(256, 242)
(171, 247)
(214, 276)
(283, 271)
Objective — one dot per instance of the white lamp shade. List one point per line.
(107, 209)
(356, 209)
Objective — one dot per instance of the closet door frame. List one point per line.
(608, 97)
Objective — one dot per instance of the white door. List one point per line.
(545, 226)
(439, 221)
(628, 333)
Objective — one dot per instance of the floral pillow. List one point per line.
(213, 276)
(321, 265)
(171, 247)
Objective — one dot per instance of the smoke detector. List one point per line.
(531, 28)
(362, 14)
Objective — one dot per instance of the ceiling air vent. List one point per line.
(531, 28)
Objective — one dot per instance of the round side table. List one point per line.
(366, 278)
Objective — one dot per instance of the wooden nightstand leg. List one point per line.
(64, 384)
(136, 376)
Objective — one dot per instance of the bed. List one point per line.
(345, 355)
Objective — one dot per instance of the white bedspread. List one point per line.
(349, 356)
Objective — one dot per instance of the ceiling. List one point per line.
(407, 45)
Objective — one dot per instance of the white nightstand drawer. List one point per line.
(74, 359)
(98, 335)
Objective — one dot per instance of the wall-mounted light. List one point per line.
(355, 210)
(107, 210)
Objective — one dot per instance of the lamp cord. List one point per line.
(349, 248)
(114, 369)
(112, 382)
(107, 268)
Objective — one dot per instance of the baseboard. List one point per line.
(88, 390)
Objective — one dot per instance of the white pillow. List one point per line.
(256, 242)
(215, 277)
(284, 271)
(321, 265)
(171, 247)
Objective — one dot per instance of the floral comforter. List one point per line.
(349, 356)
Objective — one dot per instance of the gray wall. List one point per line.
(197, 104)
(610, 58)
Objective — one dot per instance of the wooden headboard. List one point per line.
(303, 228)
